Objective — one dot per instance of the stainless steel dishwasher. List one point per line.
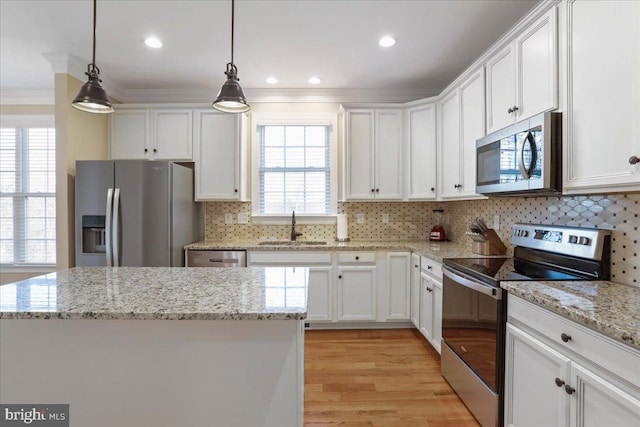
(216, 258)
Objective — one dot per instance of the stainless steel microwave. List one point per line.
(522, 159)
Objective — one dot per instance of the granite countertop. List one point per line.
(610, 308)
(434, 250)
(162, 293)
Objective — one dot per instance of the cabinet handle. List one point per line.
(565, 337)
(512, 109)
(416, 266)
(634, 160)
(429, 267)
(428, 289)
(457, 186)
(559, 382)
(569, 389)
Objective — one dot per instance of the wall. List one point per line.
(413, 220)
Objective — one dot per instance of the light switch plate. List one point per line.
(360, 218)
(385, 218)
(228, 218)
(243, 218)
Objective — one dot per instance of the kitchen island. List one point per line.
(133, 346)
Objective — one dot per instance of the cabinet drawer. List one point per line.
(289, 258)
(356, 257)
(615, 357)
(431, 267)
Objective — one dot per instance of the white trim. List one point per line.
(27, 268)
(286, 219)
(27, 97)
(27, 120)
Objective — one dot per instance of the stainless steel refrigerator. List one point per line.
(135, 213)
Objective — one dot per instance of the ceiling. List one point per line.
(292, 40)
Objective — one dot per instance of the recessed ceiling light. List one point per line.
(314, 80)
(387, 41)
(271, 80)
(153, 42)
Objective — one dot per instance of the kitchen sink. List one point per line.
(292, 243)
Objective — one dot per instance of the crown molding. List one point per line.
(27, 97)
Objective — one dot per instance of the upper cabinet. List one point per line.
(602, 122)
(461, 113)
(373, 154)
(421, 151)
(522, 78)
(153, 134)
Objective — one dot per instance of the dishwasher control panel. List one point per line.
(216, 258)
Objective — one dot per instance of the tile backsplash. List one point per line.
(413, 220)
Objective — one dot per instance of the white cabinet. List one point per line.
(522, 78)
(603, 96)
(374, 154)
(154, 134)
(320, 294)
(398, 286)
(356, 293)
(561, 373)
(462, 123)
(430, 319)
(415, 290)
(218, 156)
(421, 151)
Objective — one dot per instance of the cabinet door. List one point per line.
(357, 293)
(320, 294)
(398, 304)
(421, 130)
(360, 154)
(537, 79)
(426, 306)
(532, 397)
(388, 155)
(596, 402)
(172, 134)
(130, 134)
(415, 290)
(603, 127)
(450, 146)
(436, 335)
(472, 104)
(217, 155)
(500, 89)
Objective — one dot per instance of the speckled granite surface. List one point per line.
(610, 308)
(164, 293)
(434, 250)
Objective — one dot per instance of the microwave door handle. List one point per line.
(527, 171)
(108, 227)
(472, 284)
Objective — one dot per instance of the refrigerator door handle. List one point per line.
(108, 225)
(116, 227)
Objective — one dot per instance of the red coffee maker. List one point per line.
(437, 232)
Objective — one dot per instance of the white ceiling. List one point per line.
(335, 40)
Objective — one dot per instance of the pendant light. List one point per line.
(231, 99)
(92, 98)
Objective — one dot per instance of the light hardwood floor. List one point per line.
(377, 378)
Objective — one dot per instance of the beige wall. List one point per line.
(79, 136)
(26, 109)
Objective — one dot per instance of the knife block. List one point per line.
(493, 245)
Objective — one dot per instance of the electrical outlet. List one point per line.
(496, 222)
(385, 218)
(228, 218)
(243, 218)
(360, 218)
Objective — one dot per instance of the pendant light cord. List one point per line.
(233, 2)
(93, 61)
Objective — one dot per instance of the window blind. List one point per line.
(27, 195)
(294, 169)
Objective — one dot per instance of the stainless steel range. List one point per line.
(474, 307)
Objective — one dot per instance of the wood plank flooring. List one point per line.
(377, 378)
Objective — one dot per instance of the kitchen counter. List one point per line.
(434, 250)
(150, 293)
(610, 308)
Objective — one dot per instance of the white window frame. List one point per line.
(292, 119)
(26, 121)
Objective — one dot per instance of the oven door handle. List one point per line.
(469, 282)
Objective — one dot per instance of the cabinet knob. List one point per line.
(377, 190)
(634, 160)
(512, 109)
(429, 267)
(146, 150)
(433, 189)
(565, 337)
(235, 191)
(373, 190)
(357, 258)
(155, 150)
(569, 389)
(340, 276)
(416, 266)
(559, 382)
(457, 186)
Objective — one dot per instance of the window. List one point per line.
(27, 195)
(294, 164)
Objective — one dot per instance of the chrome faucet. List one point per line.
(294, 234)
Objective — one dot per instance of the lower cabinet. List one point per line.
(320, 294)
(415, 290)
(587, 380)
(398, 286)
(430, 317)
(356, 293)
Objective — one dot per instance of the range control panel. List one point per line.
(575, 241)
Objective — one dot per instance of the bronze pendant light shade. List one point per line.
(92, 98)
(231, 98)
